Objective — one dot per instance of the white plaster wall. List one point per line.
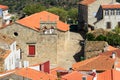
(10, 61)
(5, 12)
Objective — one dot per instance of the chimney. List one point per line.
(113, 55)
(20, 64)
(26, 64)
(94, 74)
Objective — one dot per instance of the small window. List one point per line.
(31, 50)
(15, 34)
(108, 25)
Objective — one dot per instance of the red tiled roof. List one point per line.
(109, 75)
(110, 6)
(75, 76)
(35, 75)
(99, 63)
(111, 48)
(3, 7)
(86, 2)
(33, 21)
(109, 53)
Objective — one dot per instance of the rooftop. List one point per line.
(3, 7)
(109, 75)
(100, 63)
(34, 74)
(75, 76)
(86, 2)
(110, 6)
(33, 21)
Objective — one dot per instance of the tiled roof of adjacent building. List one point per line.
(6, 39)
(111, 48)
(86, 2)
(99, 63)
(109, 53)
(33, 21)
(111, 6)
(75, 76)
(34, 74)
(3, 7)
(109, 75)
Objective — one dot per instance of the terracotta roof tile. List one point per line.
(109, 53)
(33, 21)
(35, 75)
(99, 63)
(109, 75)
(3, 7)
(111, 6)
(75, 76)
(111, 48)
(86, 2)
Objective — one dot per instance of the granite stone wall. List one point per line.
(46, 46)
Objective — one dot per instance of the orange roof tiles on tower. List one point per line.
(86, 2)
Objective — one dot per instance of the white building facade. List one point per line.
(110, 16)
(12, 60)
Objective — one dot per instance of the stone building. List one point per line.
(89, 10)
(38, 36)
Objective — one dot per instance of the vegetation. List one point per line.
(33, 8)
(112, 38)
(66, 9)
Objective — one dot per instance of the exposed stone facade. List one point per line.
(46, 45)
(93, 48)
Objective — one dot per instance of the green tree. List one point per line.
(100, 38)
(33, 8)
(113, 39)
(90, 37)
(73, 14)
(59, 11)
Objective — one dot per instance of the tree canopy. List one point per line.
(33, 8)
(60, 12)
